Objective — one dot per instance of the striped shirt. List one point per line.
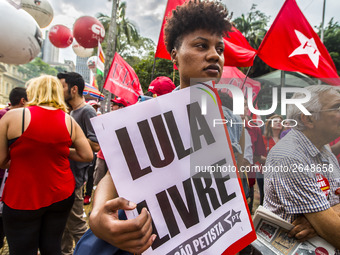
(292, 171)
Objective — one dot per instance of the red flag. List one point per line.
(161, 51)
(235, 55)
(232, 75)
(237, 51)
(122, 80)
(237, 38)
(292, 45)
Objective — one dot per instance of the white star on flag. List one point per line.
(308, 46)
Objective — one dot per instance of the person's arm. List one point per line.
(133, 235)
(94, 146)
(82, 151)
(4, 152)
(325, 224)
(90, 134)
(260, 159)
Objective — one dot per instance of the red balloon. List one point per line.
(60, 36)
(88, 31)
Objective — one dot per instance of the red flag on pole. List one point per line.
(161, 51)
(122, 80)
(291, 44)
(237, 38)
(232, 75)
(238, 51)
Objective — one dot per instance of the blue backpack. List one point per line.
(89, 244)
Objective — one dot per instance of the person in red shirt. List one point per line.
(271, 136)
(259, 152)
(35, 145)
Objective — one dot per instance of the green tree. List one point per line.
(163, 67)
(123, 37)
(128, 40)
(254, 27)
(36, 68)
(332, 41)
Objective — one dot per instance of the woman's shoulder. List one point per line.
(13, 113)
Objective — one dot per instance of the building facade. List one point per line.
(82, 69)
(50, 53)
(10, 77)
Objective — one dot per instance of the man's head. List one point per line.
(161, 85)
(73, 84)
(118, 103)
(194, 38)
(324, 108)
(18, 97)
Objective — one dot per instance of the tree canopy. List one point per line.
(332, 41)
(38, 67)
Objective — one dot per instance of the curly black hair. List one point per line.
(193, 15)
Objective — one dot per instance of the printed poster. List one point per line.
(172, 155)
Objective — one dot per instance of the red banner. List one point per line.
(122, 80)
(232, 75)
(291, 44)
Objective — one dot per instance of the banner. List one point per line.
(122, 80)
(93, 80)
(164, 154)
(100, 60)
(292, 45)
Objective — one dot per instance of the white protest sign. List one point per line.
(161, 160)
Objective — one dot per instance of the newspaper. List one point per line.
(272, 237)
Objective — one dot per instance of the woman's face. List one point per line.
(200, 56)
(276, 123)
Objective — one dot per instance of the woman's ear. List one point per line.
(174, 56)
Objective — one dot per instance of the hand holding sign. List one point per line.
(133, 235)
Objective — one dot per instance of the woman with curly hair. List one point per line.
(194, 38)
(35, 145)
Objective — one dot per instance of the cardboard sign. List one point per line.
(165, 155)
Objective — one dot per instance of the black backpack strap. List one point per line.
(71, 127)
(23, 121)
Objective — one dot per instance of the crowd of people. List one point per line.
(51, 151)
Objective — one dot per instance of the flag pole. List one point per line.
(283, 78)
(153, 69)
(323, 20)
(322, 24)
(245, 78)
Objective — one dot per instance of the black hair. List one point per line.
(16, 94)
(73, 79)
(194, 15)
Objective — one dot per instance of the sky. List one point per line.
(148, 14)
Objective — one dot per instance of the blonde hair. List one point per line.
(268, 132)
(46, 90)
